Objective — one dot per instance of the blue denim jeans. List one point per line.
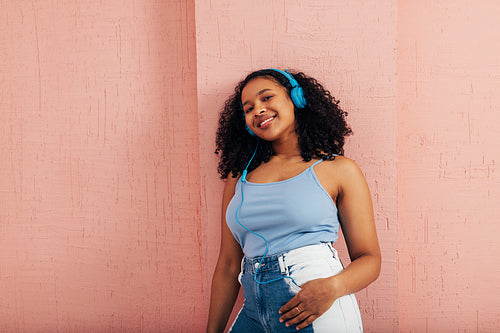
(263, 301)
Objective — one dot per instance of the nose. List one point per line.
(259, 109)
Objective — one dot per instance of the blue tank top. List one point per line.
(291, 213)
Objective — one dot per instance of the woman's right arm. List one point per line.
(225, 285)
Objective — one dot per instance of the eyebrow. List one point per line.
(258, 94)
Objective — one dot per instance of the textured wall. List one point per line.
(99, 165)
(448, 181)
(350, 47)
(109, 197)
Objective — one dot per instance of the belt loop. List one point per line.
(282, 264)
(335, 254)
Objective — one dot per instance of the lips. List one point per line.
(265, 122)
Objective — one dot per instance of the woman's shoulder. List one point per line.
(341, 169)
(229, 189)
(339, 163)
(230, 181)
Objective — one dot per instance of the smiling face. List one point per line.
(269, 111)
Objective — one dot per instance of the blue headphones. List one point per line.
(296, 94)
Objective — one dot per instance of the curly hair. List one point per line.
(321, 126)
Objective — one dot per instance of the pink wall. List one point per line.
(448, 152)
(109, 197)
(99, 190)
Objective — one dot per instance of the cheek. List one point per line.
(288, 112)
(287, 106)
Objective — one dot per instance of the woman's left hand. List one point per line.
(314, 299)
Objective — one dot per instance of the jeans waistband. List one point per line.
(283, 260)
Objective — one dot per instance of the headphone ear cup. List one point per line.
(297, 95)
(249, 130)
(246, 126)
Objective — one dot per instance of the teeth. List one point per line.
(266, 121)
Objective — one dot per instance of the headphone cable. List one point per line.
(244, 180)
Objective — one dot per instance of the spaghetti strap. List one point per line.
(317, 162)
(332, 155)
(321, 160)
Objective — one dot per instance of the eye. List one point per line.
(249, 109)
(266, 98)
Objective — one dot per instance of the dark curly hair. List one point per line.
(321, 126)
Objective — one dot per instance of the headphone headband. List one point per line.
(286, 73)
(296, 93)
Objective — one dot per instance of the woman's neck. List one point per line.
(286, 149)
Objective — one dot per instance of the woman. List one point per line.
(288, 190)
